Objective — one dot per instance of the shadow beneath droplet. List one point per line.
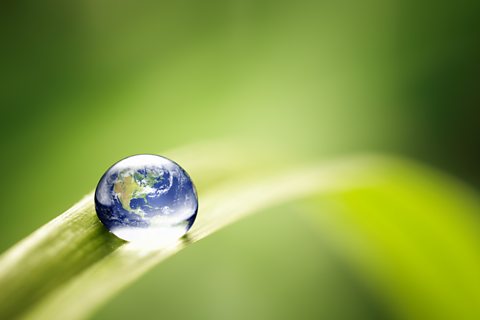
(186, 240)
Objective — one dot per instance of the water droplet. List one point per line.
(146, 199)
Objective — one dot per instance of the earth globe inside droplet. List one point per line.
(146, 198)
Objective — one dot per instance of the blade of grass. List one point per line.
(71, 266)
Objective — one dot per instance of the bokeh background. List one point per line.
(85, 83)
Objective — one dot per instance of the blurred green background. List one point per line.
(85, 83)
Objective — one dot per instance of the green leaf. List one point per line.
(71, 266)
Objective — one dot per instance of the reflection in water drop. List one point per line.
(146, 199)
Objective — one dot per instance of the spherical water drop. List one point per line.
(146, 199)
